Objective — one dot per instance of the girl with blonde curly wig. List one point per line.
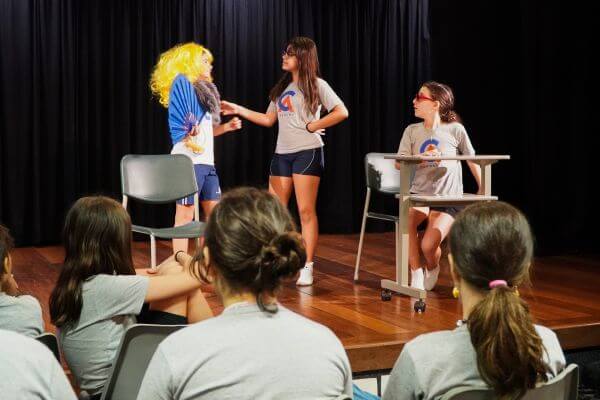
(183, 75)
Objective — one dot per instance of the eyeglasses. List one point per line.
(288, 53)
(420, 97)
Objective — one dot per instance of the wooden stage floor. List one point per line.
(565, 296)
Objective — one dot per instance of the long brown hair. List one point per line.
(445, 96)
(493, 241)
(97, 240)
(253, 244)
(6, 245)
(305, 50)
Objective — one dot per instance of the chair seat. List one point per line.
(192, 230)
(389, 189)
(457, 200)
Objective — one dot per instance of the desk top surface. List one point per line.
(454, 157)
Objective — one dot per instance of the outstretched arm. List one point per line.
(262, 119)
(232, 125)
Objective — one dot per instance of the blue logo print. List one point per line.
(285, 101)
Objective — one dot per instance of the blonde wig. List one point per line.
(183, 59)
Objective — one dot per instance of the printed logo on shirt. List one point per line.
(285, 102)
(430, 145)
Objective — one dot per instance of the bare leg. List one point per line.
(183, 215)
(437, 229)
(306, 188)
(207, 207)
(281, 186)
(193, 305)
(416, 215)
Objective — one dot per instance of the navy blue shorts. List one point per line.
(208, 185)
(305, 162)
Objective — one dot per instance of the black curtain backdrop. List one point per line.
(74, 94)
(525, 80)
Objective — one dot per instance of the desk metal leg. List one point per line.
(400, 285)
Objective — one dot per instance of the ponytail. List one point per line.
(509, 349)
(450, 116)
(492, 248)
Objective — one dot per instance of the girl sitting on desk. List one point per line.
(440, 133)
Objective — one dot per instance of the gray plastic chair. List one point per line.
(161, 179)
(133, 356)
(381, 177)
(562, 387)
(49, 339)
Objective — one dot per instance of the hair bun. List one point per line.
(282, 257)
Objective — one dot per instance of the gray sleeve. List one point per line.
(327, 96)
(405, 148)
(403, 384)
(35, 313)
(122, 294)
(58, 384)
(348, 374)
(464, 143)
(554, 356)
(157, 381)
(271, 109)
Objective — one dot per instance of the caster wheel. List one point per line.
(420, 306)
(386, 295)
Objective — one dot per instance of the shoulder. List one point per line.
(456, 128)
(29, 302)
(26, 347)
(322, 83)
(311, 330)
(110, 281)
(440, 343)
(546, 334)
(412, 128)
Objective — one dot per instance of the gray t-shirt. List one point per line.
(293, 117)
(434, 363)
(445, 177)
(110, 303)
(28, 370)
(245, 353)
(21, 314)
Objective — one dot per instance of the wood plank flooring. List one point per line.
(565, 296)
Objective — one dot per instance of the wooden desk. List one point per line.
(407, 200)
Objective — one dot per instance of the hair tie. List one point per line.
(497, 283)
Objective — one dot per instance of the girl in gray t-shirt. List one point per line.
(256, 349)
(440, 133)
(296, 102)
(18, 313)
(98, 293)
(496, 344)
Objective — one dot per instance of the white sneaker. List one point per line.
(431, 277)
(417, 278)
(306, 275)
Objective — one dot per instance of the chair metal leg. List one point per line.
(397, 240)
(152, 251)
(362, 233)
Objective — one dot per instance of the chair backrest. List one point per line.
(133, 356)
(49, 339)
(160, 178)
(380, 172)
(561, 387)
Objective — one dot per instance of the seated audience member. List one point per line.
(256, 349)
(30, 371)
(18, 313)
(496, 344)
(98, 293)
